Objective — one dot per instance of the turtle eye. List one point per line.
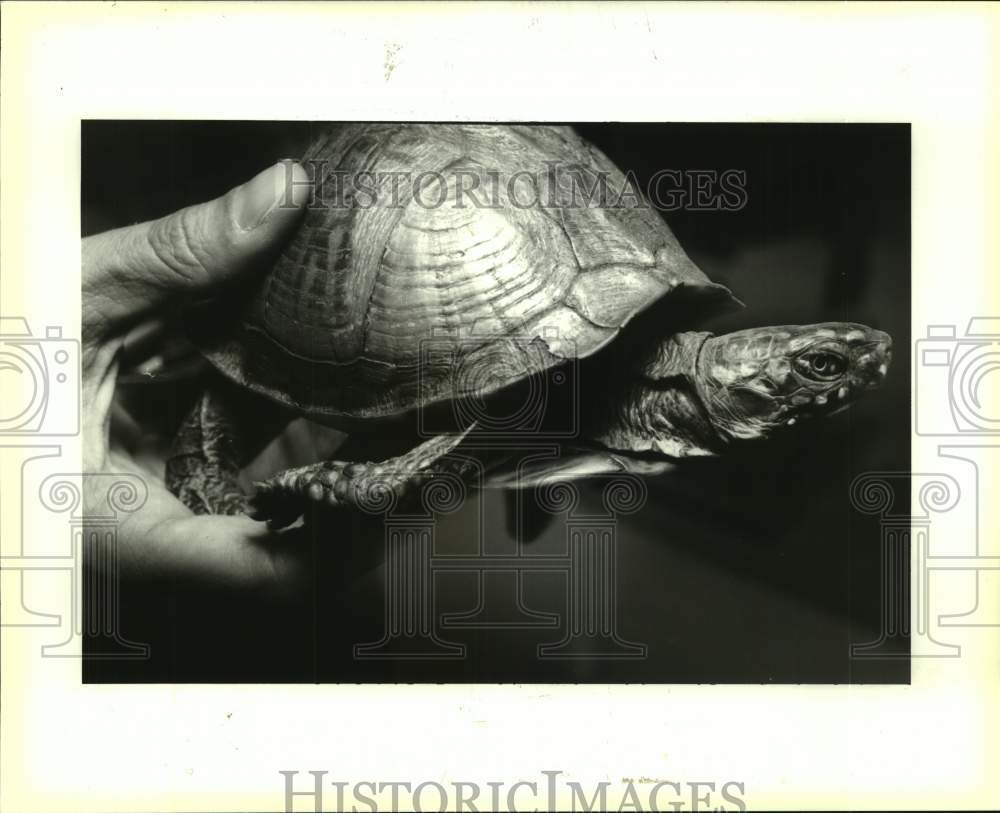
(822, 365)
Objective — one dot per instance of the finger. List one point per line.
(164, 542)
(130, 272)
(218, 551)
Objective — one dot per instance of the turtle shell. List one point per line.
(448, 261)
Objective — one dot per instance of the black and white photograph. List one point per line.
(579, 406)
(505, 402)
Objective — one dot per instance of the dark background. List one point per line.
(753, 568)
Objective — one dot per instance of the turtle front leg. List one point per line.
(372, 487)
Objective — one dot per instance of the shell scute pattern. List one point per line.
(340, 325)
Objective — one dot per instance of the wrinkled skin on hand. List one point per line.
(131, 275)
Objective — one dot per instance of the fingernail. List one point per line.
(283, 186)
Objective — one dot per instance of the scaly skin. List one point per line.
(204, 467)
(372, 487)
(694, 394)
(698, 393)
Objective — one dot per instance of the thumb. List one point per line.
(132, 271)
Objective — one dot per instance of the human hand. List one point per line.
(132, 274)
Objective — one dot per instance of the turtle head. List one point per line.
(695, 393)
(755, 381)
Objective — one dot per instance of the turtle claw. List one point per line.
(278, 510)
(287, 496)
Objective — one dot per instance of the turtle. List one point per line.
(444, 276)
